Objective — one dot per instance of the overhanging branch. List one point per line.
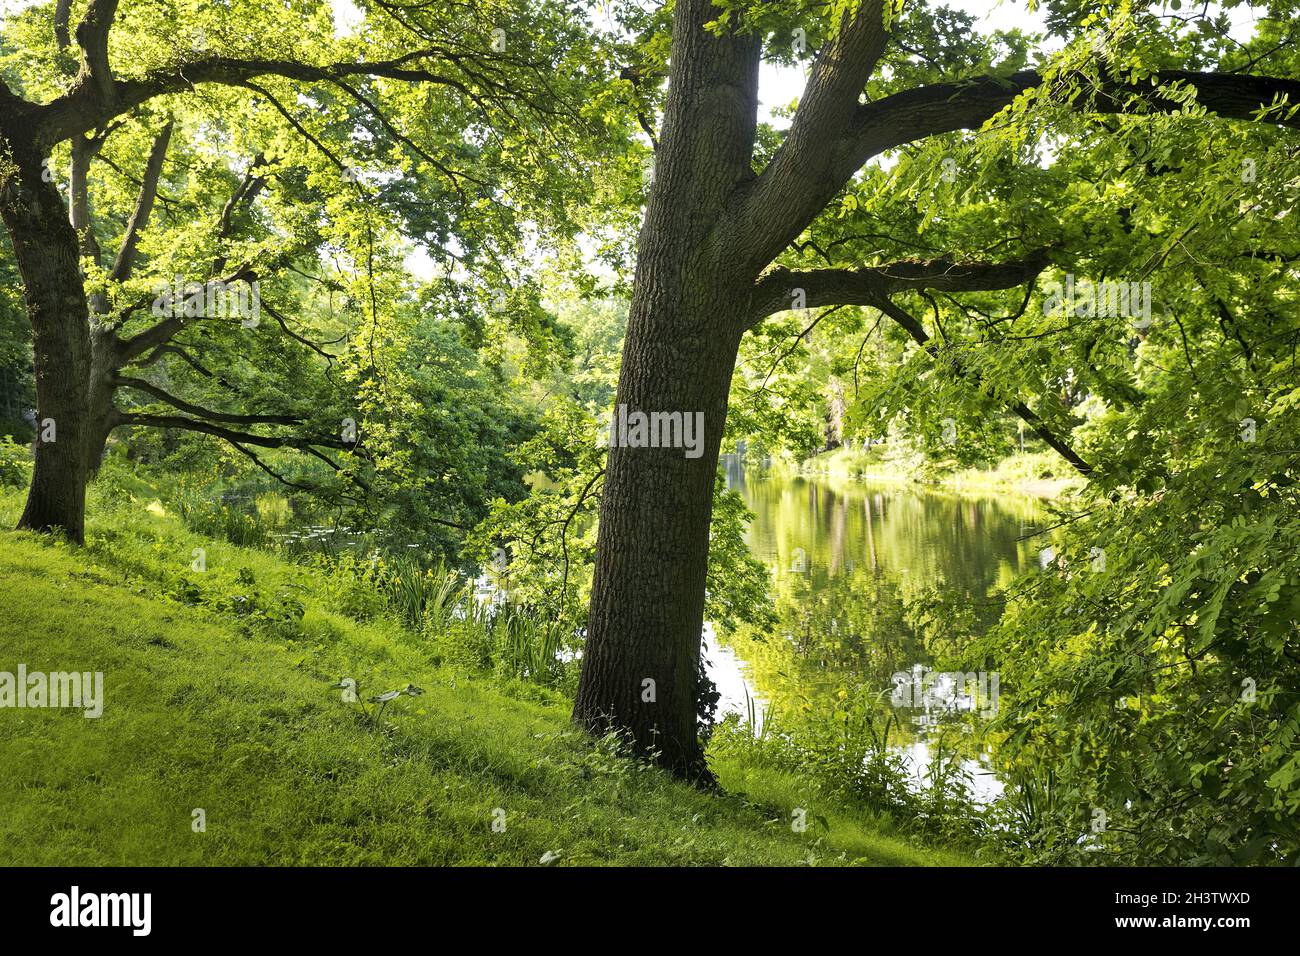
(780, 289)
(247, 438)
(149, 388)
(916, 114)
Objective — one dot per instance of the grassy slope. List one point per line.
(203, 712)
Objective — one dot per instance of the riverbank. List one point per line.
(221, 741)
(1036, 474)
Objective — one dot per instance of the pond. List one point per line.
(870, 580)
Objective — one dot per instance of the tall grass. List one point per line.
(417, 593)
(230, 520)
(532, 649)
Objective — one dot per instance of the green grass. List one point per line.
(230, 711)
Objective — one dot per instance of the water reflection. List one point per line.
(868, 580)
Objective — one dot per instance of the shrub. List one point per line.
(15, 464)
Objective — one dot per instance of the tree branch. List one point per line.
(810, 169)
(245, 194)
(946, 107)
(92, 37)
(185, 357)
(62, 12)
(144, 204)
(795, 344)
(775, 290)
(793, 181)
(247, 438)
(141, 385)
(317, 347)
(164, 330)
(84, 149)
(252, 456)
(267, 468)
(90, 104)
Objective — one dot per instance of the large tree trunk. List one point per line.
(46, 249)
(688, 304)
(647, 606)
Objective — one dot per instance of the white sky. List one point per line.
(779, 85)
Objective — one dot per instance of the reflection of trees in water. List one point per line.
(893, 577)
(834, 632)
(933, 539)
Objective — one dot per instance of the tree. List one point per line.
(728, 200)
(331, 123)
